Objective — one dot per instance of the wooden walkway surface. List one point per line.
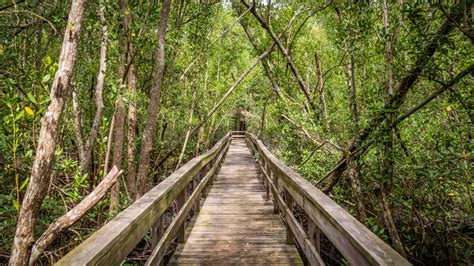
(236, 224)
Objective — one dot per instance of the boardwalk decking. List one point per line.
(236, 224)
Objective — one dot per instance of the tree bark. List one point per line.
(75, 214)
(119, 137)
(388, 218)
(132, 120)
(320, 88)
(150, 127)
(109, 144)
(190, 125)
(354, 176)
(40, 174)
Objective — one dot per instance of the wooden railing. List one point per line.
(353, 240)
(111, 244)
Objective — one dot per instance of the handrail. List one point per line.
(353, 240)
(116, 239)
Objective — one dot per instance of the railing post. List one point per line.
(156, 232)
(289, 202)
(182, 228)
(197, 202)
(267, 183)
(314, 234)
(275, 200)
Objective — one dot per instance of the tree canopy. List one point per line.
(372, 102)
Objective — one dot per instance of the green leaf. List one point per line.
(46, 78)
(16, 204)
(19, 115)
(23, 185)
(31, 97)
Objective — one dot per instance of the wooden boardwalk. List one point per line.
(236, 224)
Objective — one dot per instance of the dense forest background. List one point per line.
(370, 101)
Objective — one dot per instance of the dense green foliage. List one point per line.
(431, 188)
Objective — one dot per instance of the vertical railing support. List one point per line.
(314, 235)
(197, 202)
(182, 228)
(289, 202)
(267, 184)
(156, 231)
(275, 197)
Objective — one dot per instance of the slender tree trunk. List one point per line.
(388, 218)
(389, 138)
(132, 120)
(198, 140)
(320, 88)
(150, 127)
(86, 148)
(353, 173)
(109, 144)
(40, 174)
(190, 125)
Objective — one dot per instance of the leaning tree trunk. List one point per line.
(40, 174)
(150, 127)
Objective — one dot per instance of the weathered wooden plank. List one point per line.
(177, 225)
(236, 223)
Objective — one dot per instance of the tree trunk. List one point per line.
(190, 125)
(150, 127)
(388, 217)
(388, 142)
(75, 214)
(320, 88)
(40, 174)
(109, 144)
(354, 176)
(119, 137)
(131, 88)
